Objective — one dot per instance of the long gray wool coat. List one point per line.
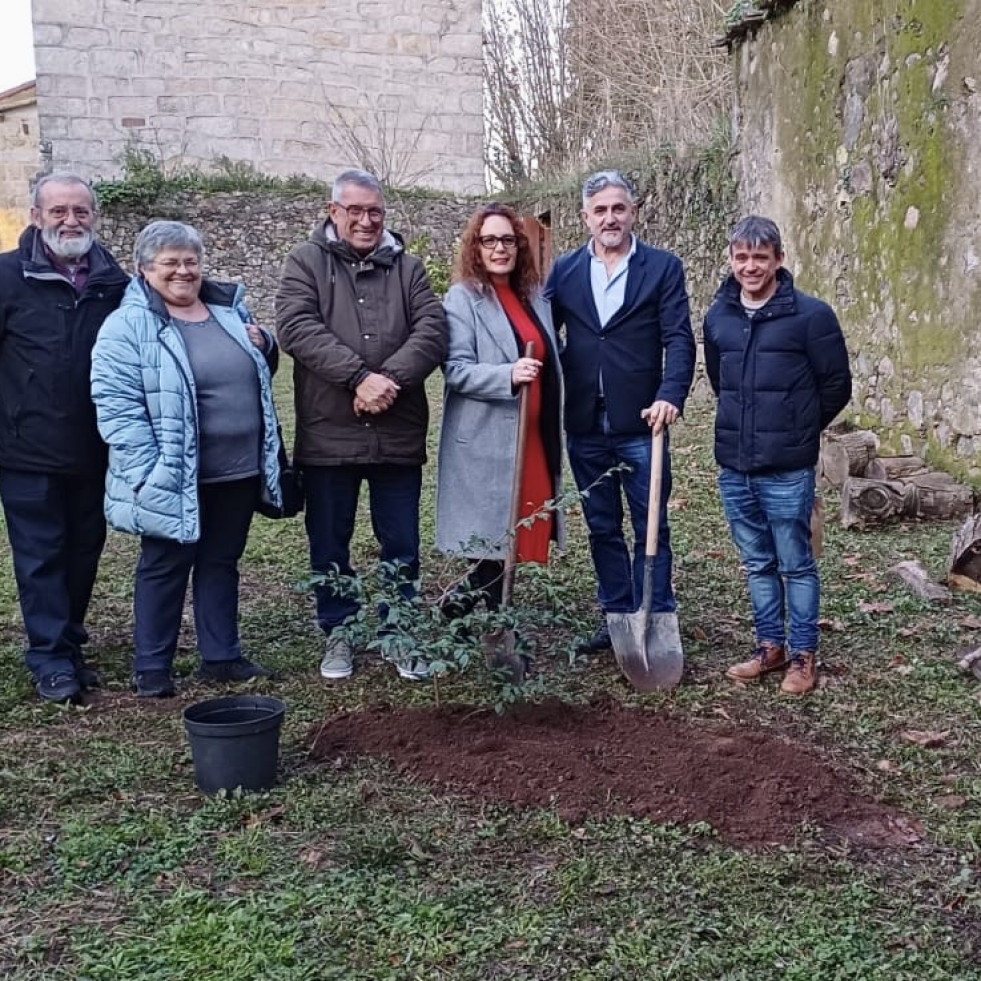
(478, 438)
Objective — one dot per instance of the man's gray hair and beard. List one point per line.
(71, 247)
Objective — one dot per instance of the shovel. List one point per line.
(648, 645)
(505, 657)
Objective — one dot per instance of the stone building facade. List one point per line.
(859, 131)
(18, 159)
(287, 86)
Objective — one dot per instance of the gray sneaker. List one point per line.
(413, 668)
(338, 662)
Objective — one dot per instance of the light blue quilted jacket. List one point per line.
(146, 404)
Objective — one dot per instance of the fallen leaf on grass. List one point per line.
(865, 607)
(908, 631)
(272, 816)
(970, 622)
(950, 802)
(678, 504)
(853, 561)
(312, 857)
(835, 625)
(927, 738)
(698, 633)
(723, 713)
(887, 766)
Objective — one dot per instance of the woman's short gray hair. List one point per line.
(603, 179)
(160, 235)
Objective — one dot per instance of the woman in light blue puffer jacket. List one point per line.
(182, 384)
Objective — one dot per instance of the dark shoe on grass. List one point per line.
(59, 686)
(241, 669)
(600, 641)
(88, 678)
(154, 684)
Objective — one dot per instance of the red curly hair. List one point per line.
(469, 265)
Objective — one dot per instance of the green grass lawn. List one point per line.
(113, 867)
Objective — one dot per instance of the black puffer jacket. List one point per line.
(47, 419)
(781, 377)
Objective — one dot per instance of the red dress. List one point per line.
(536, 482)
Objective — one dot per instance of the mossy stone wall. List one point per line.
(859, 130)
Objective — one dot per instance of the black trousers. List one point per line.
(212, 565)
(56, 528)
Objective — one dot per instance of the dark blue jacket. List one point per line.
(646, 351)
(47, 419)
(781, 377)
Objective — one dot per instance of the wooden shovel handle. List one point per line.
(654, 501)
(512, 555)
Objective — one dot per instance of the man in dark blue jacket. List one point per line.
(628, 361)
(55, 291)
(777, 361)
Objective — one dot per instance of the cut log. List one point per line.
(869, 503)
(939, 497)
(932, 496)
(846, 455)
(964, 568)
(915, 576)
(895, 467)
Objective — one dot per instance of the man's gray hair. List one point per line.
(603, 179)
(160, 235)
(362, 178)
(61, 177)
(754, 231)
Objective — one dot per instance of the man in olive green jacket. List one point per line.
(364, 329)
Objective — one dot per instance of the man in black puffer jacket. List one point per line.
(777, 361)
(55, 291)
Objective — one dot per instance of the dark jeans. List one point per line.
(56, 529)
(163, 570)
(620, 581)
(331, 507)
(770, 519)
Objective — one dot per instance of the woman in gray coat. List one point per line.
(493, 310)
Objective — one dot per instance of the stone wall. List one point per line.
(687, 205)
(301, 86)
(248, 235)
(859, 128)
(18, 162)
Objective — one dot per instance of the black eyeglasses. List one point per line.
(355, 212)
(491, 242)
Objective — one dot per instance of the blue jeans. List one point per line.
(56, 529)
(331, 507)
(211, 563)
(770, 519)
(620, 582)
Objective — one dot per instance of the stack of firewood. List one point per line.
(878, 490)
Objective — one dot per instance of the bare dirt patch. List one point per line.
(604, 759)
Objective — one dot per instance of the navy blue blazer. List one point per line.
(646, 351)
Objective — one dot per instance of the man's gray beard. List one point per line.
(69, 248)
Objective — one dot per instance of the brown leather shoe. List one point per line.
(801, 676)
(767, 657)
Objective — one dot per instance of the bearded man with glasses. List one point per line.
(56, 289)
(364, 328)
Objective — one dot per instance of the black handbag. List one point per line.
(290, 486)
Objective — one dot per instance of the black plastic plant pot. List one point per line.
(235, 741)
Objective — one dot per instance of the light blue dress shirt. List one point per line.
(610, 290)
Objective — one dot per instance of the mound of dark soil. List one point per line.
(603, 759)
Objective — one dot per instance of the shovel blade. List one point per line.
(648, 648)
